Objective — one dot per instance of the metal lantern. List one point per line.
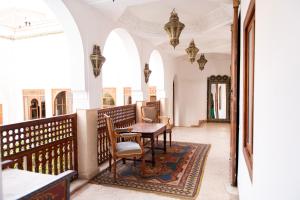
(97, 60)
(201, 62)
(192, 51)
(174, 28)
(147, 72)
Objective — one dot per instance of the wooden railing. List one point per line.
(122, 116)
(46, 146)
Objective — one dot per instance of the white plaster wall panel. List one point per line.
(44, 65)
(191, 102)
(276, 140)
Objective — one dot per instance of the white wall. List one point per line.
(191, 87)
(276, 143)
(36, 63)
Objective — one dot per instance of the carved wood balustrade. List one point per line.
(47, 146)
(122, 116)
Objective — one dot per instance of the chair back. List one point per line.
(150, 112)
(110, 132)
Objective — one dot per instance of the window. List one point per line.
(109, 97)
(152, 93)
(60, 104)
(249, 52)
(34, 109)
(127, 96)
(34, 104)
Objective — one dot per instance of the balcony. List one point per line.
(79, 142)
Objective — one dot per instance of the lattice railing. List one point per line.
(122, 116)
(46, 146)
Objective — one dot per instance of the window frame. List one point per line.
(249, 25)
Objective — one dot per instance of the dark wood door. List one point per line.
(234, 96)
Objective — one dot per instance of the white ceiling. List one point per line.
(14, 14)
(206, 21)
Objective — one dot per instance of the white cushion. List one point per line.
(124, 148)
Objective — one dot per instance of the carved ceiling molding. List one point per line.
(215, 18)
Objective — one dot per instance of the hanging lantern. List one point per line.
(201, 62)
(192, 51)
(97, 60)
(174, 28)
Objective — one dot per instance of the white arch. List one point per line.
(157, 77)
(122, 67)
(72, 32)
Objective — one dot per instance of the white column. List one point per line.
(87, 143)
(80, 100)
(137, 95)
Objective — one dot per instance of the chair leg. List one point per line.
(124, 160)
(170, 136)
(143, 165)
(109, 162)
(115, 169)
(134, 161)
(156, 140)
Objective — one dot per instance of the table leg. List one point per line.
(165, 141)
(153, 151)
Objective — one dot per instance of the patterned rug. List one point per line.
(178, 173)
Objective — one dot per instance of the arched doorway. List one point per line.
(34, 109)
(60, 105)
(122, 70)
(156, 81)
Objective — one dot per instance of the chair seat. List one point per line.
(124, 148)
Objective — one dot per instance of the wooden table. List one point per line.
(151, 131)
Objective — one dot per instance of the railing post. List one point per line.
(87, 143)
(74, 124)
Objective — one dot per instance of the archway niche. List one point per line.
(121, 73)
(156, 89)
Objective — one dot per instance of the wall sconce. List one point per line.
(202, 61)
(147, 72)
(97, 60)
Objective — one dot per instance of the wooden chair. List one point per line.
(151, 115)
(125, 145)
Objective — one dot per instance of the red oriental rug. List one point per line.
(178, 173)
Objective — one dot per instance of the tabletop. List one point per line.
(147, 127)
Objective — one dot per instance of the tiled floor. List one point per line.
(215, 183)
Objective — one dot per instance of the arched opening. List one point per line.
(121, 74)
(156, 81)
(55, 58)
(60, 104)
(34, 109)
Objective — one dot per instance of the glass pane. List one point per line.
(222, 101)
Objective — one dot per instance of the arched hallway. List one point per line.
(192, 99)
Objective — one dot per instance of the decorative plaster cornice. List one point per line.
(13, 38)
